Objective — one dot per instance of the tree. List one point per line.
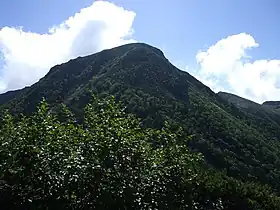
(109, 162)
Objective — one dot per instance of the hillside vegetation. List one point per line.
(111, 162)
(243, 140)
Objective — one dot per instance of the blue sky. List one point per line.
(184, 29)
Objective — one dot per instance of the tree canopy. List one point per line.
(111, 162)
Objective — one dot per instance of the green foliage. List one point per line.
(109, 162)
(245, 142)
(106, 163)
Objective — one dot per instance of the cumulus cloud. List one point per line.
(226, 66)
(27, 56)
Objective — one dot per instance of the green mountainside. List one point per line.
(232, 133)
(270, 108)
(111, 161)
(265, 116)
(273, 105)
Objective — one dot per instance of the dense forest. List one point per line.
(111, 162)
(232, 152)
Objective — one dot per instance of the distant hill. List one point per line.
(265, 115)
(237, 100)
(272, 104)
(233, 133)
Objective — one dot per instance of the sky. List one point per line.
(229, 45)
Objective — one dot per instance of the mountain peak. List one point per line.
(132, 47)
(142, 45)
(135, 65)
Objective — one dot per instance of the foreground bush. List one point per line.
(110, 162)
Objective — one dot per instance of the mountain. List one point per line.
(269, 106)
(234, 134)
(272, 104)
(266, 115)
(238, 101)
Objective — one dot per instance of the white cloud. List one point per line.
(28, 56)
(226, 66)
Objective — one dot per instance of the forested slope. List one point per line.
(243, 142)
(111, 162)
